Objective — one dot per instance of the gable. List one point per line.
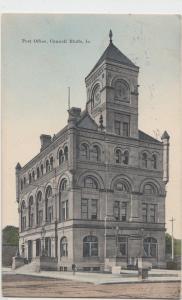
(87, 122)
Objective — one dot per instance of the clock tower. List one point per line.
(112, 91)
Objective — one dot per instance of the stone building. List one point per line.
(95, 193)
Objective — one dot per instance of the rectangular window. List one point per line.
(65, 211)
(125, 129)
(116, 210)
(117, 127)
(40, 217)
(144, 212)
(122, 243)
(24, 223)
(50, 214)
(31, 219)
(94, 209)
(84, 208)
(123, 211)
(152, 213)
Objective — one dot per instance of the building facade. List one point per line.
(95, 194)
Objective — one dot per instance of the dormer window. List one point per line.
(121, 91)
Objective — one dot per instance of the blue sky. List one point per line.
(36, 76)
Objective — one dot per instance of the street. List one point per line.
(16, 285)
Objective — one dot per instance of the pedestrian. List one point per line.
(73, 268)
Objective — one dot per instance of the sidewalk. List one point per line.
(126, 276)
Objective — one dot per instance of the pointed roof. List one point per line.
(112, 53)
(148, 138)
(165, 136)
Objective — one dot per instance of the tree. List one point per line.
(177, 245)
(10, 235)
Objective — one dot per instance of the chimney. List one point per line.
(165, 139)
(45, 140)
(17, 170)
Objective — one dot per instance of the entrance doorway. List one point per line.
(29, 250)
(38, 247)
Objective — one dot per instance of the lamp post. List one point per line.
(117, 231)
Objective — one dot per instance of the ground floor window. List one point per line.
(48, 246)
(38, 247)
(64, 247)
(150, 247)
(90, 246)
(122, 245)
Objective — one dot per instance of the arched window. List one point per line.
(21, 184)
(90, 183)
(47, 166)
(38, 173)
(118, 156)
(51, 162)
(24, 180)
(39, 209)
(154, 161)
(64, 247)
(121, 91)
(30, 178)
(64, 184)
(42, 169)
(150, 247)
(121, 186)
(61, 157)
(84, 152)
(23, 216)
(33, 175)
(49, 205)
(144, 160)
(96, 153)
(149, 189)
(66, 153)
(96, 95)
(90, 246)
(30, 212)
(126, 157)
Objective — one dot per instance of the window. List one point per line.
(23, 216)
(122, 243)
(94, 209)
(121, 91)
(118, 156)
(42, 169)
(84, 152)
(38, 247)
(65, 210)
(150, 247)
(47, 166)
(154, 161)
(30, 211)
(96, 153)
(121, 187)
(123, 211)
(149, 190)
(144, 212)
(116, 210)
(21, 184)
(33, 175)
(144, 160)
(39, 208)
(51, 163)
(152, 213)
(64, 185)
(84, 208)
(40, 217)
(126, 157)
(48, 204)
(61, 157)
(90, 183)
(117, 127)
(48, 246)
(23, 223)
(125, 129)
(66, 153)
(38, 173)
(30, 178)
(24, 180)
(50, 214)
(90, 246)
(64, 247)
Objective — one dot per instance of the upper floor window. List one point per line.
(121, 91)
(94, 209)
(42, 169)
(123, 211)
(30, 211)
(30, 178)
(39, 208)
(149, 189)
(90, 246)
(154, 161)
(33, 175)
(84, 151)
(96, 153)
(90, 182)
(125, 129)
(144, 160)
(24, 180)
(126, 157)
(38, 173)
(51, 162)
(96, 95)
(121, 187)
(116, 210)
(64, 184)
(23, 216)
(122, 245)
(66, 153)
(61, 157)
(65, 210)
(84, 209)
(47, 166)
(117, 127)
(118, 156)
(21, 184)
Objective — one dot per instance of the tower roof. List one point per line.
(112, 53)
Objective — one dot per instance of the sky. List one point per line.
(36, 76)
